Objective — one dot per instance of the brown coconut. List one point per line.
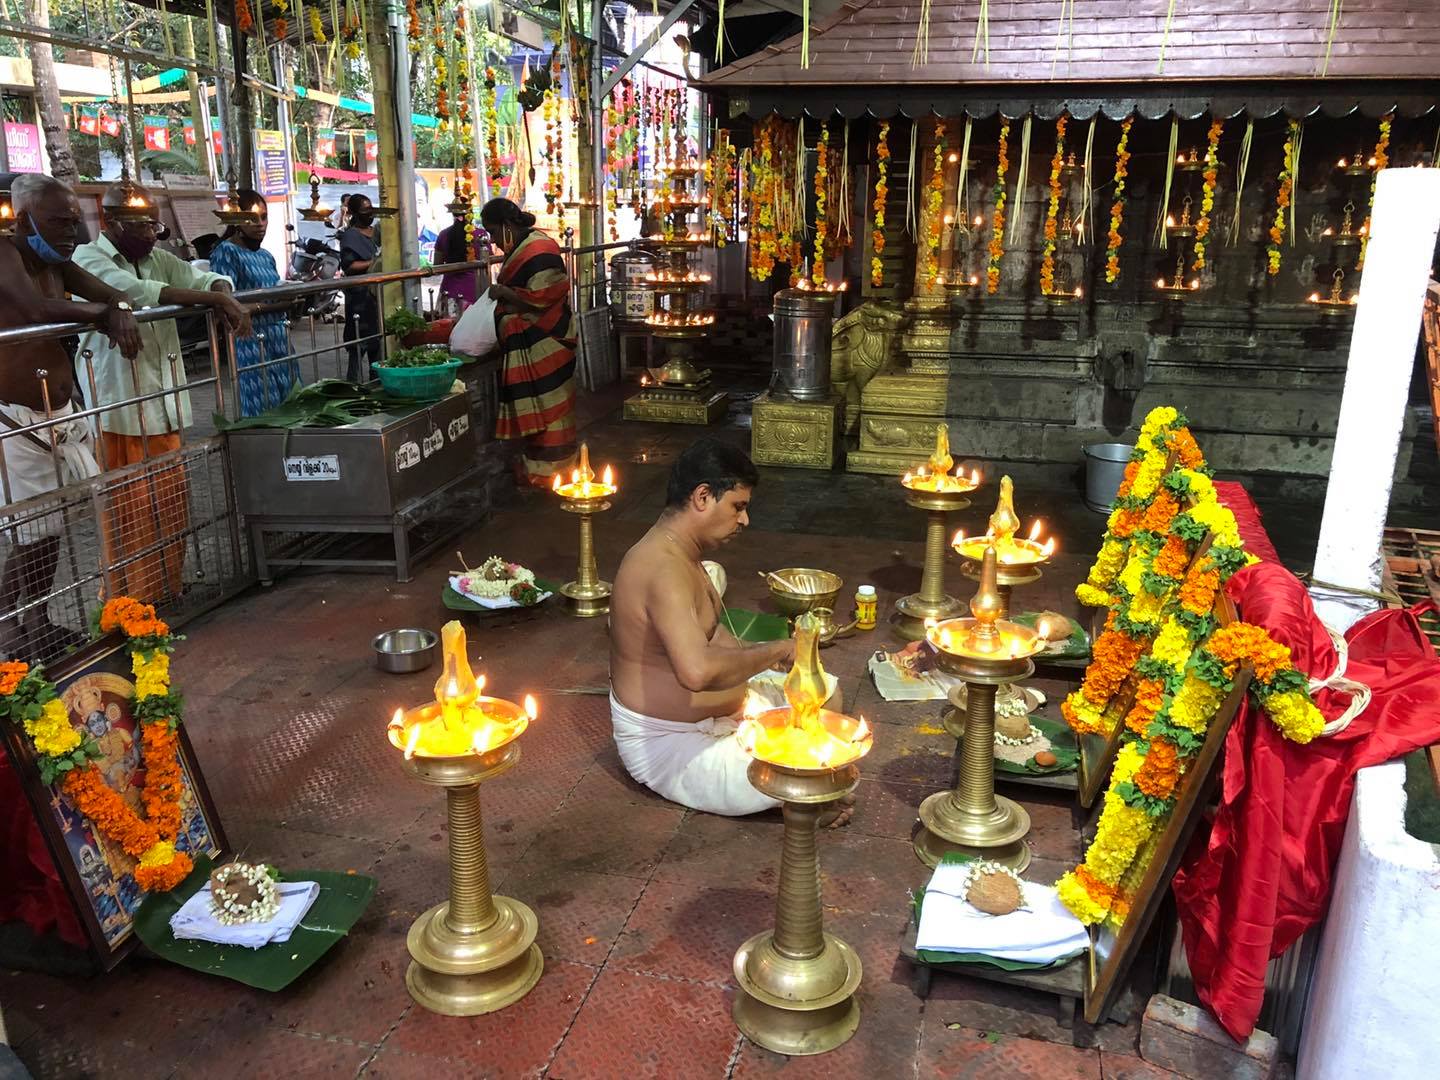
(994, 893)
(1045, 759)
(1013, 727)
(233, 887)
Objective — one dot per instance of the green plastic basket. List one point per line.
(432, 381)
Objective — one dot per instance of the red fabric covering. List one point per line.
(33, 892)
(437, 333)
(1263, 878)
(1247, 518)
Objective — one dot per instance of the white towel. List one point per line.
(194, 919)
(697, 765)
(1042, 931)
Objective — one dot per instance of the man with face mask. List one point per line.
(36, 273)
(147, 510)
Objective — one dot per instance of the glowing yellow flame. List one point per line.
(398, 720)
(480, 683)
(532, 707)
(862, 731)
(555, 486)
(956, 541)
(1035, 530)
(1049, 547)
(931, 622)
(412, 741)
(608, 477)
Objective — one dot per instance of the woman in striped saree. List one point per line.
(537, 343)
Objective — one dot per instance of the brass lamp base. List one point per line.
(912, 611)
(932, 601)
(586, 601)
(474, 953)
(998, 836)
(797, 983)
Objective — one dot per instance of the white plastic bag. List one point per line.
(474, 332)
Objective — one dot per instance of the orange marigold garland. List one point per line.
(1047, 259)
(822, 224)
(934, 201)
(1283, 193)
(997, 225)
(1378, 161)
(882, 193)
(1207, 191)
(244, 20)
(1117, 206)
(65, 754)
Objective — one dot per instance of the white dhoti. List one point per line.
(697, 765)
(32, 468)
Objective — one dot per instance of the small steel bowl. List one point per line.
(807, 589)
(403, 651)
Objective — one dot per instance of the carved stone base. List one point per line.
(677, 406)
(898, 414)
(801, 434)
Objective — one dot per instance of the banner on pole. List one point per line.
(272, 163)
(188, 127)
(324, 144)
(217, 137)
(109, 124)
(157, 133)
(90, 121)
(372, 146)
(22, 144)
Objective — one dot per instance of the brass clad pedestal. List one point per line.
(932, 601)
(587, 595)
(800, 434)
(797, 983)
(971, 818)
(475, 953)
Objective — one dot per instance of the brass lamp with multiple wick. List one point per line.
(796, 982)
(1334, 302)
(1178, 289)
(933, 488)
(315, 211)
(474, 953)
(585, 496)
(985, 651)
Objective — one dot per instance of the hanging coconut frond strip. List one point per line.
(962, 206)
(1165, 38)
(1240, 171)
(921, 53)
(720, 31)
(1086, 209)
(1065, 6)
(911, 226)
(1018, 215)
(982, 33)
(804, 33)
(1161, 236)
(1332, 26)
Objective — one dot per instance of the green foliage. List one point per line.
(1187, 528)
(1133, 796)
(419, 356)
(1208, 667)
(403, 321)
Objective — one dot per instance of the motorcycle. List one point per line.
(314, 260)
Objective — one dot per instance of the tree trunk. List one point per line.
(47, 98)
(192, 81)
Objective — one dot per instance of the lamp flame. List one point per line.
(532, 707)
(555, 486)
(956, 541)
(412, 741)
(480, 683)
(1049, 548)
(862, 731)
(608, 477)
(1035, 530)
(398, 720)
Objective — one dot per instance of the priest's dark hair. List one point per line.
(710, 463)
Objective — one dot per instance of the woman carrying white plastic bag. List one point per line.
(474, 332)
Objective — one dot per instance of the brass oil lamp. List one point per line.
(584, 496)
(1334, 302)
(796, 982)
(985, 651)
(1347, 236)
(1177, 289)
(932, 487)
(1184, 228)
(1021, 560)
(315, 211)
(474, 953)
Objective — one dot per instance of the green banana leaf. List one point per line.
(327, 403)
(457, 602)
(1062, 745)
(756, 626)
(343, 899)
(944, 959)
(1076, 647)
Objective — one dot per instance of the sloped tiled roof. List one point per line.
(872, 42)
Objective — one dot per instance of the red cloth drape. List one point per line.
(32, 892)
(1263, 878)
(1247, 518)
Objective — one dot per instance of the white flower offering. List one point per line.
(242, 892)
(494, 578)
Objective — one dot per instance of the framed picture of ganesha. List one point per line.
(96, 688)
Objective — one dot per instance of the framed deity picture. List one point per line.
(96, 688)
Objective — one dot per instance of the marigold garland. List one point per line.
(1381, 159)
(934, 200)
(1285, 190)
(997, 225)
(1207, 191)
(822, 225)
(65, 754)
(882, 193)
(1047, 258)
(764, 247)
(1117, 207)
(317, 27)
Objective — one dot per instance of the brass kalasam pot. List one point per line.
(803, 589)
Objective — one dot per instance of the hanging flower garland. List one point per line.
(282, 25)
(1379, 160)
(1117, 207)
(882, 193)
(489, 102)
(441, 72)
(934, 201)
(822, 226)
(1283, 194)
(244, 20)
(317, 27)
(1207, 191)
(462, 80)
(763, 240)
(351, 32)
(997, 226)
(412, 23)
(1047, 259)
(66, 755)
(611, 165)
(721, 183)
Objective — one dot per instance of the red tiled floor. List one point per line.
(691, 931)
(635, 1026)
(581, 914)
(268, 1054)
(1130, 1067)
(518, 1041)
(949, 1052)
(887, 809)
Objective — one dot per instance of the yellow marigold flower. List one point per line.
(1147, 479)
(1172, 645)
(152, 674)
(1090, 596)
(1077, 898)
(158, 854)
(1194, 704)
(51, 730)
(1146, 607)
(1159, 417)
(1132, 576)
(1295, 715)
(1127, 763)
(1118, 836)
(1108, 561)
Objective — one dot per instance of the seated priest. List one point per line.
(678, 677)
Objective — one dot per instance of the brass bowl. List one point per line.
(804, 589)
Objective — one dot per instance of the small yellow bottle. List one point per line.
(867, 607)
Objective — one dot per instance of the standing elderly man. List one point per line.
(36, 273)
(149, 510)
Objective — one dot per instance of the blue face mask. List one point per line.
(44, 251)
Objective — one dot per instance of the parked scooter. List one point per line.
(314, 260)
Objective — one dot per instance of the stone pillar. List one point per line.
(1404, 222)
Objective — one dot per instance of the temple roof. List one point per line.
(1107, 41)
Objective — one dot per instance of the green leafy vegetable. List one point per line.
(403, 321)
(419, 356)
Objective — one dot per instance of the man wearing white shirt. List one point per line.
(149, 509)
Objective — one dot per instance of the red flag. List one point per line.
(157, 133)
(216, 137)
(90, 121)
(109, 125)
(188, 125)
(372, 146)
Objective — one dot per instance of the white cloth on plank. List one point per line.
(698, 765)
(196, 920)
(30, 466)
(1042, 931)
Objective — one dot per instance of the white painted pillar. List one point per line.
(1403, 225)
